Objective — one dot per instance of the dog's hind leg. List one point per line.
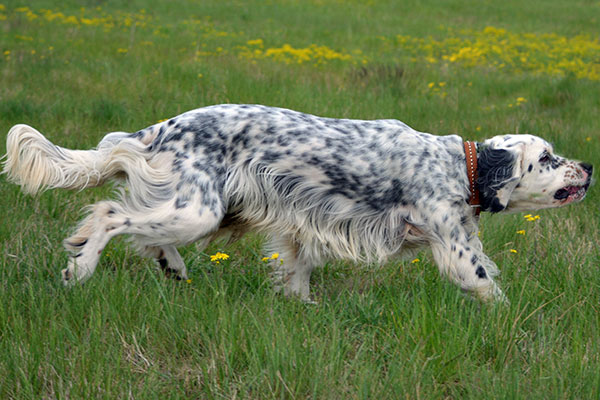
(164, 228)
(168, 259)
(89, 240)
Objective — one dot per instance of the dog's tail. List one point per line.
(36, 164)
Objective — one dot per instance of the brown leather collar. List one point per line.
(471, 156)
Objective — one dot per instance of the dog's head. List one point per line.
(522, 173)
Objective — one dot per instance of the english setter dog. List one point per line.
(320, 188)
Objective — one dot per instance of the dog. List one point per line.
(320, 188)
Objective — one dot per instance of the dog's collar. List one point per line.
(471, 158)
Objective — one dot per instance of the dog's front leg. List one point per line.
(459, 256)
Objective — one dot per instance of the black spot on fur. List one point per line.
(480, 272)
(495, 168)
(173, 137)
(270, 157)
(180, 203)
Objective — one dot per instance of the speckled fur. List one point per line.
(320, 188)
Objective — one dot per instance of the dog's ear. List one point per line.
(499, 174)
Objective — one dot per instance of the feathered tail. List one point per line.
(36, 164)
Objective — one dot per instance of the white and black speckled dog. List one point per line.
(320, 188)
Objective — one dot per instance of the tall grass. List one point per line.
(398, 331)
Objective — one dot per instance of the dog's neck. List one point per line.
(471, 160)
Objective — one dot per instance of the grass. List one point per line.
(398, 331)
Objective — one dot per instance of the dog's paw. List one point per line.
(491, 294)
(68, 278)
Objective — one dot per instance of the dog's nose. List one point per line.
(589, 168)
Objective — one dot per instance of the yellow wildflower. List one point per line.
(513, 251)
(521, 232)
(416, 260)
(255, 42)
(548, 53)
(274, 256)
(219, 256)
(189, 281)
(71, 19)
(530, 218)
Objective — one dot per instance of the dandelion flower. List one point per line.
(219, 256)
(530, 218)
(521, 232)
(255, 42)
(416, 260)
(513, 251)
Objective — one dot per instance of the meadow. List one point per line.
(76, 70)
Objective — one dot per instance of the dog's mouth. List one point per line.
(571, 193)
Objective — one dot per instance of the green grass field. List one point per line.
(400, 331)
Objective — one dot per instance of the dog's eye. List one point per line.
(545, 158)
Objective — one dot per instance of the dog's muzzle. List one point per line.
(573, 193)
